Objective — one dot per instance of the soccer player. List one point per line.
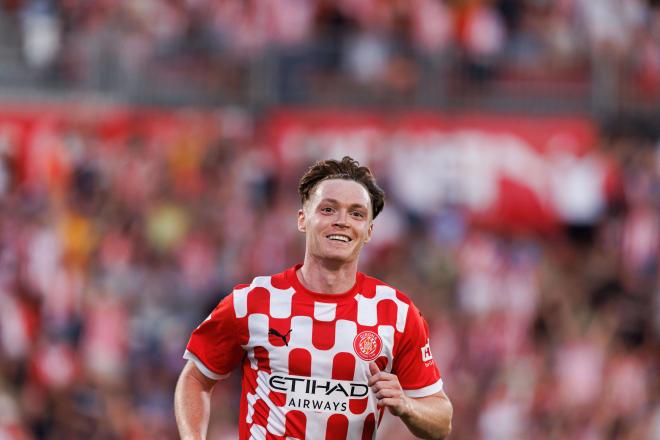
(324, 349)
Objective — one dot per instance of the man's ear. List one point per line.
(369, 232)
(301, 220)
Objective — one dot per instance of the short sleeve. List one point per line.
(214, 345)
(413, 362)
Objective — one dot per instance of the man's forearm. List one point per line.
(426, 417)
(192, 407)
(429, 417)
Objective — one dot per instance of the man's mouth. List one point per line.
(339, 237)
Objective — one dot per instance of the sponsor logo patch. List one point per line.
(315, 394)
(367, 345)
(427, 357)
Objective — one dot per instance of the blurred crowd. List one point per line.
(384, 45)
(112, 249)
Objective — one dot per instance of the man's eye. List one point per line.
(328, 210)
(358, 214)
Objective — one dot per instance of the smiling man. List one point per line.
(324, 349)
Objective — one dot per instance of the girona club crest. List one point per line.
(367, 345)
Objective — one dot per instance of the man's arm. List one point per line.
(426, 417)
(192, 403)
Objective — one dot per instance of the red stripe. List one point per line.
(300, 362)
(295, 424)
(369, 427)
(337, 428)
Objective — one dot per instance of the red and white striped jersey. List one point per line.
(305, 355)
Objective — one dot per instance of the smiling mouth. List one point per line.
(340, 238)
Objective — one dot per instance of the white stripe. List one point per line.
(276, 420)
(203, 368)
(386, 333)
(426, 391)
(324, 311)
(317, 424)
(257, 432)
(251, 400)
(240, 301)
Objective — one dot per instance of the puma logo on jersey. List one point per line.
(285, 337)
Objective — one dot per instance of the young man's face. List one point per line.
(337, 220)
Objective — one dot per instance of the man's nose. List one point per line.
(341, 218)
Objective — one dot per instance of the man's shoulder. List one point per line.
(274, 282)
(374, 287)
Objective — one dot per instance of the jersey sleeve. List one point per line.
(214, 345)
(413, 362)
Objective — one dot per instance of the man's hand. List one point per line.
(427, 417)
(388, 391)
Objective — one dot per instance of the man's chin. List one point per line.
(337, 258)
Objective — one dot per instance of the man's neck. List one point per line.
(327, 278)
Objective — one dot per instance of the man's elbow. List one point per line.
(444, 431)
(444, 428)
(441, 432)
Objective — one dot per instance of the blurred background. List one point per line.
(149, 157)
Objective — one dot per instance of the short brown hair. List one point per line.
(347, 169)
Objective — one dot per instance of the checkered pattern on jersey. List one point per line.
(306, 355)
